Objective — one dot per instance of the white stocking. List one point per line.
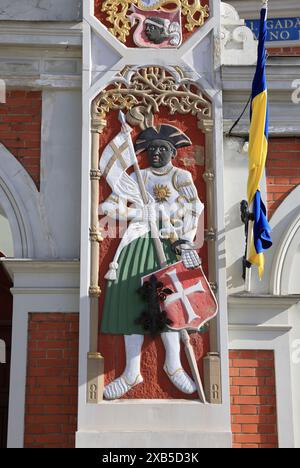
(132, 373)
(133, 348)
(173, 366)
(171, 343)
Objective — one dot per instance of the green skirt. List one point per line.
(123, 305)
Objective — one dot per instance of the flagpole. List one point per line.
(185, 337)
(249, 242)
(265, 4)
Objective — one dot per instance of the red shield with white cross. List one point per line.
(192, 303)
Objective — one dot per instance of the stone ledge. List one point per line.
(146, 416)
(28, 265)
(153, 439)
(277, 302)
(39, 34)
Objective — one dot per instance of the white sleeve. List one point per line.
(193, 207)
(114, 207)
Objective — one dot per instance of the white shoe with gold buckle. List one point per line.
(120, 387)
(181, 380)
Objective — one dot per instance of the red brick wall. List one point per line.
(20, 129)
(284, 51)
(52, 381)
(283, 170)
(253, 399)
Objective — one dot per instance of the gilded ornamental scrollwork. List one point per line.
(195, 13)
(143, 92)
(117, 13)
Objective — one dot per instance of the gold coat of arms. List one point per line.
(154, 23)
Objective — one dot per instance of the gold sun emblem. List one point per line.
(161, 193)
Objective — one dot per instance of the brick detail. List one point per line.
(20, 129)
(283, 170)
(253, 399)
(284, 51)
(52, 381)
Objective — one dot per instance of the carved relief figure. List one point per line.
(162, 207)
(156, 29)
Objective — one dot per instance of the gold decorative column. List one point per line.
(212, 365)
(95, 377)
(209, 176)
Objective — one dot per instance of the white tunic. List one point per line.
(177, 204)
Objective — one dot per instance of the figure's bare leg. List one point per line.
(132, 373)
(173, 366)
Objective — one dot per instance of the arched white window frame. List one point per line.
(20, 201)
(288, 244)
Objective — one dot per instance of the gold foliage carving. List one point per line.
(142, 92)
(95, 291)
(195, 13)
(117, 10)
(95, 235)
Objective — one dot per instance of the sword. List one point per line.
(185, 337)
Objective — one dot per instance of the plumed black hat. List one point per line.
(163, 132)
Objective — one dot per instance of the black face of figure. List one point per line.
(160, 153)
(155, 34)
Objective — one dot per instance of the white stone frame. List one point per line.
(282, 265)
(39, 287)
(287, 220)
(19, 199)
(152, 423)
(239, 46)
(263, 323)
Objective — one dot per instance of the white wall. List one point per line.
(236, 177)
(61, 170)
(41, 10)
(46, 223)
(294, 284)
(236, 166)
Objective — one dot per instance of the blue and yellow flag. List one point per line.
(258, 150)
